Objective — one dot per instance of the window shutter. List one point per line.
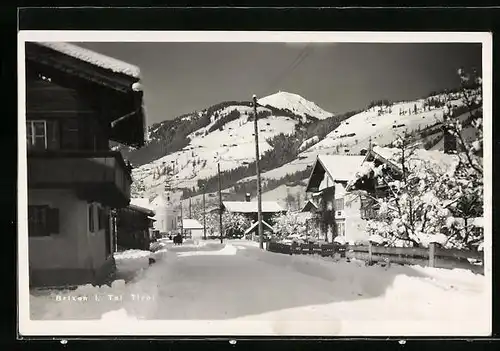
(53, 220)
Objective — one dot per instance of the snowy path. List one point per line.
(236, 282)
(240, 282)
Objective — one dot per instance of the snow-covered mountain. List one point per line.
(296, 104)
(224, 134)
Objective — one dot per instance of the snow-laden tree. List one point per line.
(465, 190)
(431, 200)
(411, 213)
(289, 223)
(234, 224)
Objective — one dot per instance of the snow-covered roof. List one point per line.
(251, 206)
(94, 58)
(188, 223)
(446, 162)
(144, 210)
(337, 168)
(340, 167)
(255, 224)
(438, 160)
(141, 202)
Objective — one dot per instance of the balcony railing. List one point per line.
(100, 176)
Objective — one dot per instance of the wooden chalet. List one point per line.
(76, 102)
(250, 209)
(133, 226)
(328, 180)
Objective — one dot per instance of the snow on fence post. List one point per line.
(432, 252)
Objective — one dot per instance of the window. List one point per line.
(341, 229)
(42, 135)
(339, 204)
(91, 218)
(36, 135)
(42, 220)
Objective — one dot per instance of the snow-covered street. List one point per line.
(238, 282)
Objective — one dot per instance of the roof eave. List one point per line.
(309, 188)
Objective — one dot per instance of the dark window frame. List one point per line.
(31, 131)
(47, 227)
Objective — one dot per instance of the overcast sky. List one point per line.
(180, 78)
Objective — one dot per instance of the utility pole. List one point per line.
(190, 215)
(220, 204)
(182, 222)
(257, 165)
(204, 221)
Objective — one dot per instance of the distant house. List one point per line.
(77, 101)
(309, 215)
(192, 228)
(309, 207)
(133, 225)
(328, 180)
(253, 230)
(250, 209)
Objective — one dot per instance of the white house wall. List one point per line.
(355, 227)
(58, 250)
(75, 246)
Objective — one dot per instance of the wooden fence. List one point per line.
(433, 256)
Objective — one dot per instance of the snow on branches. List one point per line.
(232, 223)
(235, 223)
(434, 197)
(293, 224)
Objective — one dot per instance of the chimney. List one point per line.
(247, 197)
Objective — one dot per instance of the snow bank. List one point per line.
(131, 261)
(131, 254)
(227, 250)
(120, 314)
(120, 302)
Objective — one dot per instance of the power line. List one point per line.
(295, 63)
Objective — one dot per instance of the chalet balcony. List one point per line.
(99, 176)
